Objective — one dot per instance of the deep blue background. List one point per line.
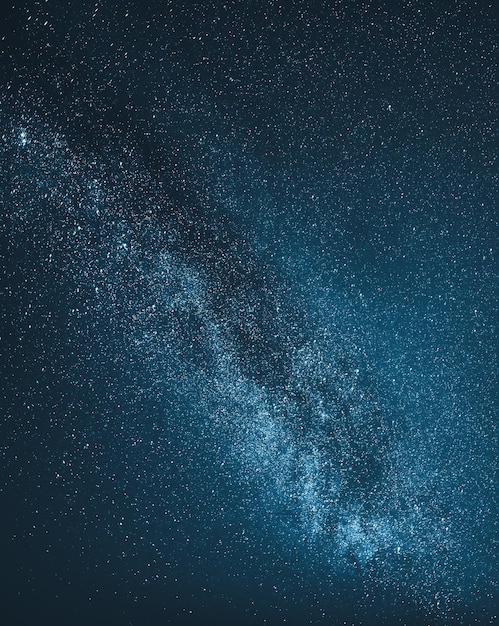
(248, 299)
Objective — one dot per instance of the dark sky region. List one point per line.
(248, 296)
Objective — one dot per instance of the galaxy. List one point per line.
(248, 289)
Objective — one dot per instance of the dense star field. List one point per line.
(248, 296)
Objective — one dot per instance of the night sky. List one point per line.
(248, 296)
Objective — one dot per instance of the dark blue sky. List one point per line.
(248, 313)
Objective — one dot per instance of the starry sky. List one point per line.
(248, 290)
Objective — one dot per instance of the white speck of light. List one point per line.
(23, 140)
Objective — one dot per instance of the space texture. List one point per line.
(248, 305)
